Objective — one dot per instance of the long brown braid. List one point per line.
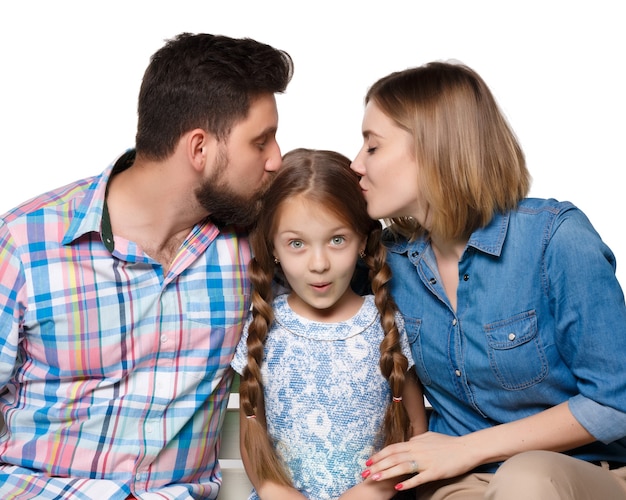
(324, 177)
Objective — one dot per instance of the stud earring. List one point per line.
(276, 261)
(362, 254)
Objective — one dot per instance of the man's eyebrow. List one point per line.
(268, 131)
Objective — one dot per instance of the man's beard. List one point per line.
(225, 206)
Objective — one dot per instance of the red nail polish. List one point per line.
(398, 486)
(365, 473)
(369, 462)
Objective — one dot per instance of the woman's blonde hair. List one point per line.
(323, 177)
(471, 165)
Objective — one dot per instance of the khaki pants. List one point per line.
(534, 475)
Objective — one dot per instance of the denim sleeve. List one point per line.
(602, 422)
(588, 305)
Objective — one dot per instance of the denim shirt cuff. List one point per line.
(602, 422)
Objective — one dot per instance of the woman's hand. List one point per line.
(427, 457)
(437, 456)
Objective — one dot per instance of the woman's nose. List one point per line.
(357, 165)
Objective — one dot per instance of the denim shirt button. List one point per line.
(432, 281)
(511, 336)
(457, 372)
(454, 322)
(465, 277)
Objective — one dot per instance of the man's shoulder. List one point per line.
(49, 201)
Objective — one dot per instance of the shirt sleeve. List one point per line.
(404, 341)
(12, 291)
(240, 360)
(590, 315)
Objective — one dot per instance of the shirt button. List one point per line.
(432, 281)
(457, 372)
(138, 476)
(454, 322)
(511, 336)
(164, 338)
(414, 254)
(465, 277)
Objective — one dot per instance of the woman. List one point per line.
(516, 320)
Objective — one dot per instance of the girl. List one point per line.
(320, 363)
(516, 320)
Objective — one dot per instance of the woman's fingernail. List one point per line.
(398, 486)
(376, 477)
(365, 473)
(369, 462)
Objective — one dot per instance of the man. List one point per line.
(122, 296)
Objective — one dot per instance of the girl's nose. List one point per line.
(319, 262)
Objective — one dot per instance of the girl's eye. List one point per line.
(337, 240)
(295, 244)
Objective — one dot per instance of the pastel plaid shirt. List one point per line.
(114, 377)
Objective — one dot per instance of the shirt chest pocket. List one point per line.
(516, 354)
(219, 310)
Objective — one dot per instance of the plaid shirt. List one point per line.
(114, 377)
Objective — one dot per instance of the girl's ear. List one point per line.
(362, 250)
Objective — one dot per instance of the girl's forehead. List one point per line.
(308, 206)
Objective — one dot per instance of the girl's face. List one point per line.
(387, 167)
(318, 254)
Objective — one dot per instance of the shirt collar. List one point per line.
(488, 239)
(89, 210)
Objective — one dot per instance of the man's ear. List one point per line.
(199, 145)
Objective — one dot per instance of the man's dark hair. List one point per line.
(204, 81)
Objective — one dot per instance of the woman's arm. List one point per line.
(439, 456)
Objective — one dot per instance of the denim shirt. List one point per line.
(540, 320)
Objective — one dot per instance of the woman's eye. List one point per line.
(371, 150)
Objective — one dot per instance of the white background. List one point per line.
(71, 70)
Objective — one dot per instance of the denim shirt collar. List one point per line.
(488, 239)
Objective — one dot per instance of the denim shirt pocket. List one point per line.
(516, 354)
(413, 327)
